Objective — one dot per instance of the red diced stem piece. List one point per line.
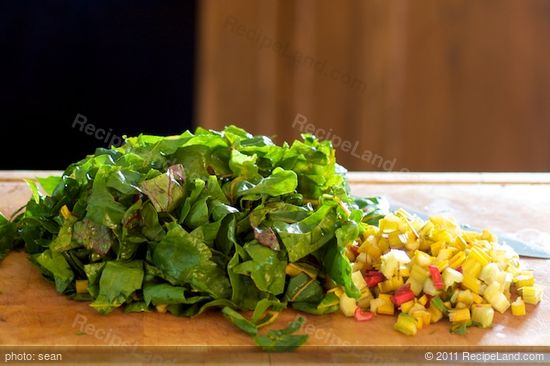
(373, 278)
(403, 289)
(436, 277)
(402, 295)
(362, 316)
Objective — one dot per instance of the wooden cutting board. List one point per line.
(34, 317)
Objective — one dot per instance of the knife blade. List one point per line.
(522, 248)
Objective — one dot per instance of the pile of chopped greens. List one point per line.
(185, 223)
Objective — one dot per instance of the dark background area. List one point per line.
(127, 66)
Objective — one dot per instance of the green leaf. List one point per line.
(314, 162)
(240, 321)
(49, 184)
(215, 191)
(165, 191)
(243, 165)
(208, 232)
(310, 234)
(34, 189)
(55, 266)
(461, 328)
(198, 214)
(219, 303)
(124, 181)
(93, 273)
(117, 283)
(93, 236)
(163, 293)
(374, 208)
(244, 292)
(266, 268)
(196, 305)
(263, 306)
(150, 224)
(219, 210)
(282, 340)
(136, 307)
(439, 305)
(188, 260)
(102, 207)
(303, 288)
(329, 304)
(280, 182)
(196, 188)
(131, 238)
(203, 156)
(226, 240)
(337, 264)
(64, 240)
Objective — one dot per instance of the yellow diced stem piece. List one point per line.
(65, 212)
(435, 314)
(483, 315)
(518, 307)
(479, 256)
(81, 286)
(477, 299)
(338, 291)
(162, 308)
(472, 283)
(436, 247)
(405, 324)
(531, 294)
(460, 315)
(442, 265)
(406, 306)
(525, 280)
(471, 268)
(466, 297)
(386, 309)
(457, 260)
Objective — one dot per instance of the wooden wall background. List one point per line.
(429, 85)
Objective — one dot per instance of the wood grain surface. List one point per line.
(33, 316)
(435, 85)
